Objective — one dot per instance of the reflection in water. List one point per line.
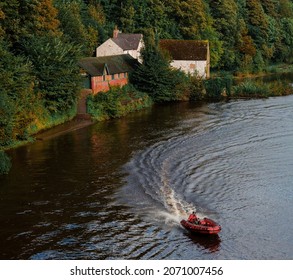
(118, 190)
(209, 243)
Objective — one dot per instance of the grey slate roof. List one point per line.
(114, 64)
(127, 41)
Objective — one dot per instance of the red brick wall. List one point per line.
(101, 83)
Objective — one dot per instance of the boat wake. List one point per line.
(150, 188)
(172, 202)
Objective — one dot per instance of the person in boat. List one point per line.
(193, 218)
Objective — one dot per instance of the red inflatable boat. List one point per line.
(202, 226)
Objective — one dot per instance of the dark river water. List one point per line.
(118, 189)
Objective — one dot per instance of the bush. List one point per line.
(197, 89)
(251, 89)
(218, 87)
(5, 163)
(259, 89)
(117, 102)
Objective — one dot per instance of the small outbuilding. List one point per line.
(190, 56)
(100, 73)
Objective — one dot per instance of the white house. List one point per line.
(190, 56)
(122, 43)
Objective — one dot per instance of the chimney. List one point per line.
(115, 32)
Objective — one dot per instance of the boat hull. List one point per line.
(205, 226)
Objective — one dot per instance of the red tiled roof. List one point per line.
(185, 49)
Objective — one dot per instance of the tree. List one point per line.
(81, 23)
(17, 99)
(138, 16)
(191, 16)
(55, 67)
(154, 76)
(285, 49)
(26, 17)
(258, 26)
(44, 17)
(246, 49)
(2, 17)
(225, 15)
(9, 20)
(127, 18)
(285, 9)
(270, 7)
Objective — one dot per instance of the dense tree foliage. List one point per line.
(41, 41)
(56, 71)
(244, 35)
(17, 97)
(155, 76)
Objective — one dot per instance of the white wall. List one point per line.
(189, 66)
(108, 48)
(139, 49)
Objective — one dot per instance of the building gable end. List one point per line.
(109, 47)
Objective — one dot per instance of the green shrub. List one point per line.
(218, 87)
(280, 88)
(5, 163)
(262, 89)
(197, 89)
(251, 89)
(117, 102)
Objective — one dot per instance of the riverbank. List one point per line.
(69, 126)
(275, 80)
(117, 102)
(263, 86)
(45, 134)
(120, 102)
(268, 71)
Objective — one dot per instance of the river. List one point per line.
(118, 189)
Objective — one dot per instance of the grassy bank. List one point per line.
(259, 89)
(43, 122)
(47, 121)
(268, 70)
(117, 102)
(258, 85)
